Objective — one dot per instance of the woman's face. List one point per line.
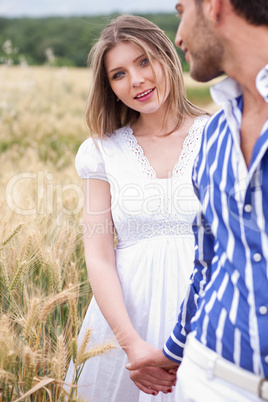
(132, 79)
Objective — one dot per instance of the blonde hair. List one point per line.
(104, 114)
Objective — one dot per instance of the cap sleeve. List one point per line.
(89, 162)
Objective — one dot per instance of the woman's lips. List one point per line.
(145, 95)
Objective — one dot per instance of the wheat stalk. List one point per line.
(73, 314)
(60, 241)
(73, 273)
(4, 276)
(50, 276)
(56, 268)
(26, 247)
(40, 250)
(7, 343)
(12, 260)
(69, 249)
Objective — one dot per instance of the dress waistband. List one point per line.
(132, 234)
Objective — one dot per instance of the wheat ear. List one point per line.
(5, 376)
(17, 276)
(97, 350)
(31, 316)
(12, 234)
(51, 303)
(62, 357)
(83, 346)
(29, 367)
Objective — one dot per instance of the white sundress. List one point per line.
(154, 253)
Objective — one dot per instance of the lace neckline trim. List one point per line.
(130, 143)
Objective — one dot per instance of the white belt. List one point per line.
(217, 366)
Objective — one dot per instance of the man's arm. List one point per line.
(204, 251)
(172, 353)
(156, 359)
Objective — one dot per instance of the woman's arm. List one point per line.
(100, 259)
(104, 280)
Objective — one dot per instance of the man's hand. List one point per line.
(153, 367)
(156, 359)
(149, 378)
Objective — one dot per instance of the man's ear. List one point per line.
(212, 9)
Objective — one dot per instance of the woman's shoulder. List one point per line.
(105, 140)
(89, 158)
(200, 121)
(94, 153)
(94, 145)
(198, 124)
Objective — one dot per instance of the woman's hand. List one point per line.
(149, 379)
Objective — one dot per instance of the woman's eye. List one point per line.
(118, 75)
(144, 62)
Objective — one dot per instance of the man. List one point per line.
(224, 316)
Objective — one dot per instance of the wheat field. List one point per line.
(44, 290)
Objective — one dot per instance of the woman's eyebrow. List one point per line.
(120, 67)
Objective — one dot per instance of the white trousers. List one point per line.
(196, 383)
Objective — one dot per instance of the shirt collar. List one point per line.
(229, 88)
(262, 82)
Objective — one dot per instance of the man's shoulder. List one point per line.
(215, 121)
(211, 135)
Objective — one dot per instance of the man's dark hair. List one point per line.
(254, 11)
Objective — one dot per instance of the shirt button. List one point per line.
(266, 359)
(248, 208)
(263, 310)
(257, 257)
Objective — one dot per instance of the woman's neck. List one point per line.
(156, 125)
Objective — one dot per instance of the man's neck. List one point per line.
(246, 55)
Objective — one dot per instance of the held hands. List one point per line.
(149, 369)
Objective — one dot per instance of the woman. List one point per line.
(136, 170)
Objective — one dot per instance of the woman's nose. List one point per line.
(136, 80)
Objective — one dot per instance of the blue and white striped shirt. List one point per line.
(227, 301)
